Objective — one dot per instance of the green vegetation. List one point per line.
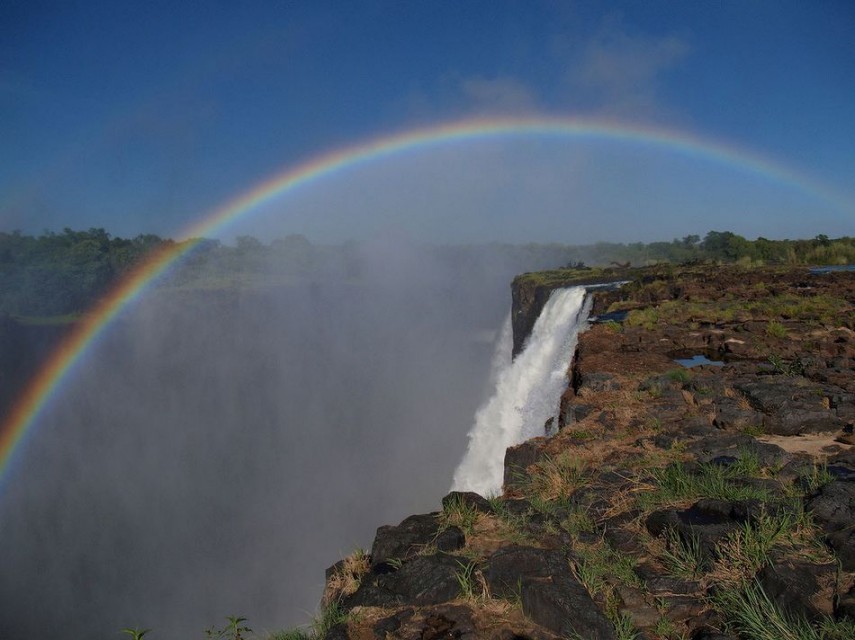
(684, 558)
(750, 613)
(62, 274)
(556, 478)
(234, 630)
(458, 513)
(676, 484)
(466, 580)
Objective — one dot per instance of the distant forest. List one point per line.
(62, 274)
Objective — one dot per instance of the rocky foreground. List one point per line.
(706, 502)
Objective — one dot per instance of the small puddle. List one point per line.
(698, 360)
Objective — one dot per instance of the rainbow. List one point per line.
(44, 385)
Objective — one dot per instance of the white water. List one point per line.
(527, 391)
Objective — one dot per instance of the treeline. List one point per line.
(724, 246)
(57, 274)
(63, 273)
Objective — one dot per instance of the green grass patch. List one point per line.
(458, 513)
(749, 612)
(675, 483)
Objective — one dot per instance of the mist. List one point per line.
(216, 450)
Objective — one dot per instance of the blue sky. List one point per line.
(144, 116)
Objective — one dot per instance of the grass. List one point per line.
(775, 329)
(646, 318)
(593, 565)
(346, 579)
(745, 551)
(466, 580)
(674, 484)
(612, 326)
(684, 558)
(749, 612)
(456, 512)
(556, 478)
(818, 477)
(329, 616)
(679, 375)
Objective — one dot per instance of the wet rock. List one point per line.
(400, 542)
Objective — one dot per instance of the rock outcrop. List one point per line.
(674, 501)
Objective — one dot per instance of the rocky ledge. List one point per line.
(707, 502)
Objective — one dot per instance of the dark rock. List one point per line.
(520, 508)
(518, 459)
(507, 568)
(551, 595)
(729, 416)
(846, 606)
(704, 524)
(448, 622)
(791, 405)
(633, 604)
(404, 540)
(843, 543)
(735, 445)
(791, 587)
(599, 382)
(425, 580)
(622, 540)
(470, 499)
(696, 427)
(337, 632)
(682, 607)
(834, 506)
(388, 625)
(450, 539)
(562, 605)
(712, 634)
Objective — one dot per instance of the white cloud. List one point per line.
(500, 94)
(620, 72)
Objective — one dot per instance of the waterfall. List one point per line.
(526, 391)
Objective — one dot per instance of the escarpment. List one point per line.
(701, 483)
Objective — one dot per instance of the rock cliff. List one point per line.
(702, 483)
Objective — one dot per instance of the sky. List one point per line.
(144, 117)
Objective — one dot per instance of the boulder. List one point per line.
(425, 580)
(402, 541)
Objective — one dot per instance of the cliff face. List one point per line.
(531, 291)
(674, 502)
